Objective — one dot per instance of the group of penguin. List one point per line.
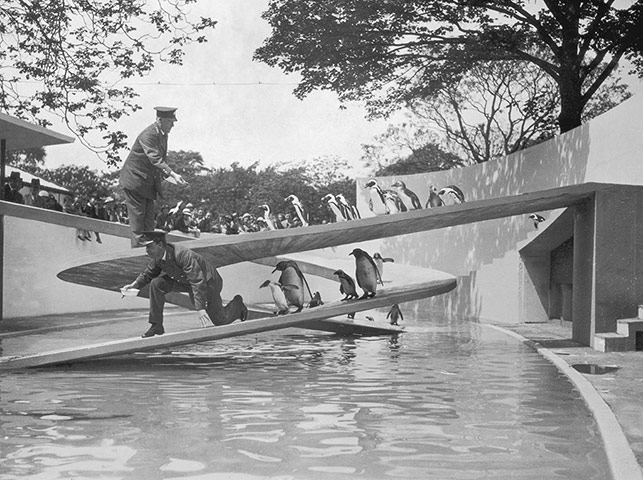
(290, 290)
(339, 208)
(400, 198)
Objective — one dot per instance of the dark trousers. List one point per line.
(140, 211)
(163, 284)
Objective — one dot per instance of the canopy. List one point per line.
(21, 135)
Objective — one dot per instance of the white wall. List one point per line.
(609, 149)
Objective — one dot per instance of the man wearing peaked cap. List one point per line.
(143, 170)
(174, 268)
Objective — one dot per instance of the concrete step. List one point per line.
(613, 342)
(624, 339)
(627, 326)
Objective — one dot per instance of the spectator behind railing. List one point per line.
(163, 220)
(12, 187)
(32, 195)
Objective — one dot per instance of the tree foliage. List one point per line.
(69, 58)
(238, 189)
(81, 180)
(391, 52)
(496, 110)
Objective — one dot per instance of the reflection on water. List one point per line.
(445, 400)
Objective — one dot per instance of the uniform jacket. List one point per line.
(143, 169)
(185, 267)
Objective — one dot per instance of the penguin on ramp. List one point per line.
(301, 212)
(379, 262)
(377, 202)
(453, 194)
(366, 273)
(279, 295)
(291, 274)
(347, 285)
(434, 199)
(331, 203)
(537, 219)
(347, 210)
(268, 217)
(407, 195)
(395, 314)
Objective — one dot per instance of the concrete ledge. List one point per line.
(621, 458)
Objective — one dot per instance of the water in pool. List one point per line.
(447, 399)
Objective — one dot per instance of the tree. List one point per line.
(80, 180)
(390, 52)
(406, 148)
(70, 58)
(496, 110)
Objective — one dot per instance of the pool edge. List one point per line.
(620, 456)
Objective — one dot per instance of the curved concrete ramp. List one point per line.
(114, 270)
(414, 284)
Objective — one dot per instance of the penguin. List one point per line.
(279, 295)
(292, 275)
(366, 273)
(434, 199)
(394, 202)
(377, 202)
(316, 301)
(346, 285)
(333, 206)
(407, 195)
(267, 217)
(301, 212)
(453, 193)
(347, 210)
(379, 262)
(235, 310)
(536, 219)
(395, 314)
(353, 212)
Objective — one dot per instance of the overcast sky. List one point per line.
(224, 118)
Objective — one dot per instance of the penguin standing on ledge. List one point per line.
(279, 295)
(407, 195)
(395, 314)
(346, 285)
(347, 210)
(292, 275)
(366, 273)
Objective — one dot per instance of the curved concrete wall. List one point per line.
(485, 255)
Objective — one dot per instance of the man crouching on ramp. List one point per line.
(174, 268)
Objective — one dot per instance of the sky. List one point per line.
(226, 121)
(226, 116)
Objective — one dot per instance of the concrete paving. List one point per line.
(620, 387)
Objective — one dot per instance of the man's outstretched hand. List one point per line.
(204, 318)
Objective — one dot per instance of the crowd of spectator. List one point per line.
(187, 219)
(183, 217)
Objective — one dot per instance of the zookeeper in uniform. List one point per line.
(143, 171)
